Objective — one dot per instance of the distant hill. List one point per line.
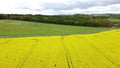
(24, 28)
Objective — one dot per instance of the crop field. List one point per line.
(25, 28)
(114, 20)
(98, 50)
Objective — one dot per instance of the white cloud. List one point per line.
(54, 7)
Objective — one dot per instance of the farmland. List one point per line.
(98, 50)
(24, 28)
(114, 20)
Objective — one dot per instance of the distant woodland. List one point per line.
(93, 20)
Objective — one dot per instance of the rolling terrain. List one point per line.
(24, 28)
(98, 50)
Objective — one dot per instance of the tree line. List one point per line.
(76, 19)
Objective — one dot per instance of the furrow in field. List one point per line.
(14, 52)
(26, 56)
(106, 48)
(48, 54)
(88, 55)
(68, 56)
(74, 57)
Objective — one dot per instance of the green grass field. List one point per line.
(114, 20)
(24, 28)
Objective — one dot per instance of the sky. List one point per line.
(58, 7)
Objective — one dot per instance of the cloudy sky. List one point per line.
(56, 7)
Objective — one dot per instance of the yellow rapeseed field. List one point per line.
(99, 50)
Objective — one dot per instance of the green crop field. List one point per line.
(114, 20)
(24, 28)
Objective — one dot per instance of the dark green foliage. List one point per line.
(77, 19)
